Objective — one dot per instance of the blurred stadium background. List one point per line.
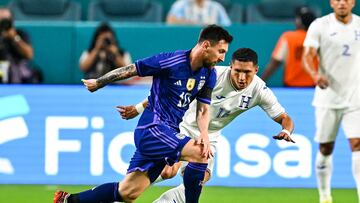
(57, 135)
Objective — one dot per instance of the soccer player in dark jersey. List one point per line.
(178, 78)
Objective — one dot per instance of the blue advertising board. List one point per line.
(55, 134)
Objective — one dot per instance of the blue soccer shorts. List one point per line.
(156, 146)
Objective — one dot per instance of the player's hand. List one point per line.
(322, 81)
(204, 141)
(90, 84)
(283, 136)
(127, 112)
(11, 33)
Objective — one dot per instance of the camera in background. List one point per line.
(107, 41)
(5, 24)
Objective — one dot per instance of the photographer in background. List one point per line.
(15, 52)
(288, 50)
(104, 53)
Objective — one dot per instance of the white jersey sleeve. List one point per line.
(269, 103)
(313, 34)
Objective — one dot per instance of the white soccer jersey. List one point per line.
(227, 103)
(338, 46)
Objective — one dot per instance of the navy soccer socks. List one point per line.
(107, 192)
(193, 180)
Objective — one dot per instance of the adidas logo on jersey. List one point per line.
(178, 83)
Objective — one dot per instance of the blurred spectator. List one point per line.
(289, 48)
(15, 52)
(104, 53)
(198, 12)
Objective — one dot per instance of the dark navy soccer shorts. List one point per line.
(156, 146)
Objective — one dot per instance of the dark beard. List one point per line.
(208, 64)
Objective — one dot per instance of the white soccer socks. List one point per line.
(323, 168)
(176, 194)
(356, 171)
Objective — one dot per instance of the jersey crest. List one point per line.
(201, 84)
(190, 84)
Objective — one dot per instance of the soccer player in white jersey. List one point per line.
(237, 89)
(335, 40)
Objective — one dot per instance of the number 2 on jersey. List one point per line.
(346, 50)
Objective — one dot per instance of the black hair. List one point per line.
(104, 27)
(306, 15)
(214, 34)
(245, 55)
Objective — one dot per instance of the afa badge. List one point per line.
(201, 84)
(190, 84)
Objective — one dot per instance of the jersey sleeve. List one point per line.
(149, 66)
(312, 38)
(269, 103)
(204, 95)
(281, 48)
(224, 19)
(177, 9)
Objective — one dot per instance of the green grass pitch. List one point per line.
(44, 194)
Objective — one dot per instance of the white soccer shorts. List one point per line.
(328, 122)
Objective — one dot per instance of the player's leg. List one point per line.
(327, 125)
(126, 191)
(168, 172)
(141, 172)
(195, 170)
(130, 191)
(178, 193)
(355, 148)
(323, 168)
(352, 131)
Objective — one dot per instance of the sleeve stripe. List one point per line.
(138, 68)
(204, 100)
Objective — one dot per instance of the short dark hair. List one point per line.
(245, 55)
(306, 15)
(214, 34)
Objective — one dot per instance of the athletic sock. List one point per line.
(103, 193)
(193, 180)
(323, 173)
(356, 171)
(176, 194)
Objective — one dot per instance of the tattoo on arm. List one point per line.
(117, 74)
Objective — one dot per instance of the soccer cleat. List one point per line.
(61, 197)
(326, 200)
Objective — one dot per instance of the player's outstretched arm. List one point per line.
(287, 127)
(118, 74)
(130, 112)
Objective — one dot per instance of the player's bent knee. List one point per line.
(326, 148)
(355, 144)
(129, 195)
(192, 153)
(167, 174)
(129, 192)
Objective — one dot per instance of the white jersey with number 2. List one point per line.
(338, 47)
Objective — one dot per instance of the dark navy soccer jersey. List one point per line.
(174, 86)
